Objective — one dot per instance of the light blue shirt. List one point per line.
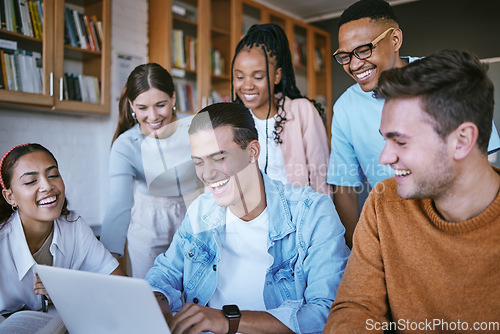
(305, 240)
(156, 167)
(357, 143)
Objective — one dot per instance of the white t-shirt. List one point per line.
(244, 260)
(276, 163)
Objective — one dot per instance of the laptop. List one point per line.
(96, 303)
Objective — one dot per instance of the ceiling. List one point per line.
(315, 10)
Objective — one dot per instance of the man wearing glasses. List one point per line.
(369, 42)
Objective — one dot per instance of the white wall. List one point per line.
(81, 144)
(494, 73)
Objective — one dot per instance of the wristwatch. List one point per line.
(233, 315)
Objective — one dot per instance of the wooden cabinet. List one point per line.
(173, 26)
(218, 26)
(58, 58)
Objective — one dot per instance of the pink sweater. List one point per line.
(305, 146)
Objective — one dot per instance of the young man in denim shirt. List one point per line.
(276, 251)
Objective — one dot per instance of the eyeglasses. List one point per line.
(361, 52)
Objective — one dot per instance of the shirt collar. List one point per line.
(280, 217)
(21, 254)
(19, 246)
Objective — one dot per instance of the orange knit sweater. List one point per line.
(412, 272)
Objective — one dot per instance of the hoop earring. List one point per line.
(14, 207)
(133, 116)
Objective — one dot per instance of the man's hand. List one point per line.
(193, 318)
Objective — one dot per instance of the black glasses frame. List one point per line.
(344, 58)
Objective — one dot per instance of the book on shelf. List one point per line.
(8, 15)
(79, 29)
(300, 54)
(3, 22)
(8, 44)
(80, 87)
(191, 46)
(10, 59)
(217, 97)
(22, 16)
(12, 14)
(178, 52)
(23, 70)
(9, 73)
(17, 17)
(82, 31)
(99, 28)
(3, 76)
(217, 62)
(25, 18)
(70, 28)
(39, 6)
(184, 49)
(319, 63)
(85, 31)
(36, 15)
(184, 10)
(96, 44)
(186, 96)
(22, 67)
(68, 87)
(32, 322)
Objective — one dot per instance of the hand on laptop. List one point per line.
(198, 319)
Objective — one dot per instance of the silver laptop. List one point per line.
(96, 303)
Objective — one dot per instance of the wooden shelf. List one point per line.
(220, 25)
(55, 56)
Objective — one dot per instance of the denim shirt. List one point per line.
(306, 242)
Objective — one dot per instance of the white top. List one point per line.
(73, 246)
(276, 163)
(244, 260)
(167, 162)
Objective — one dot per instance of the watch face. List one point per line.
(231, 311)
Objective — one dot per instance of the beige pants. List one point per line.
(152, 226)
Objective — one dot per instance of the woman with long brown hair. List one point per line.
(152, 177)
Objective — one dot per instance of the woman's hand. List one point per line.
(38, 286)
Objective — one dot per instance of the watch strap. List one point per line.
(234, 323)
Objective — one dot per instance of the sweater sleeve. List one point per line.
(316, 147)
(362, 302)
(121, 197)
(306, 159)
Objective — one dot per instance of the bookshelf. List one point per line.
(219, 25)
(57, 53)
(200, 33)
(16, 43)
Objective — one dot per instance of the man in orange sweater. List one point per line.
(426, 255)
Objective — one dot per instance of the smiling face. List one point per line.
(36, 188)
(153, 110)
(250, 80)
(385, 54)
(230, 172)
(421, 159)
